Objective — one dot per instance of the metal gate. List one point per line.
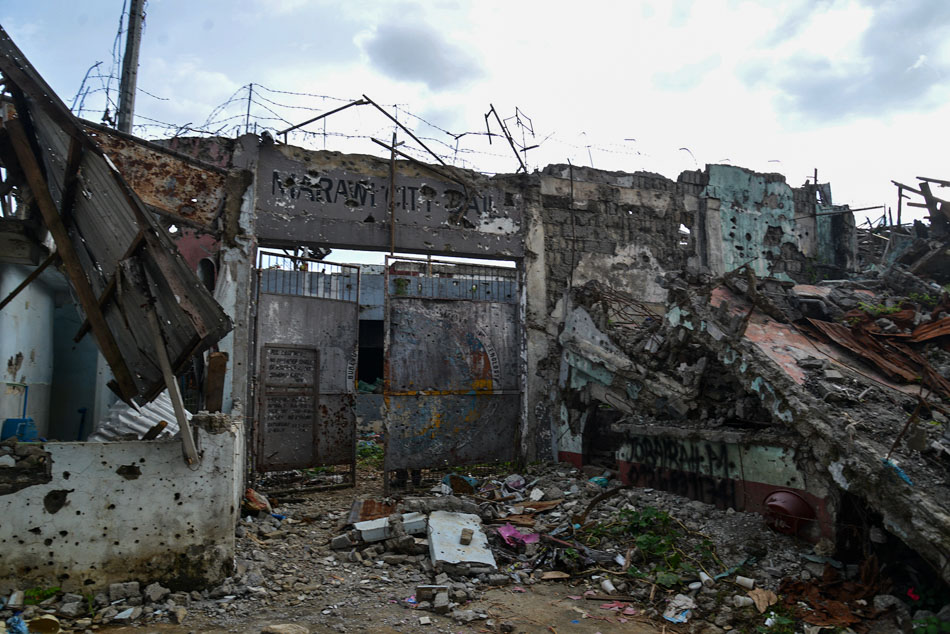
(452, 364)
(307, 330)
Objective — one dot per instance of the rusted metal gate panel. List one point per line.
(452, 374)
(307, 329)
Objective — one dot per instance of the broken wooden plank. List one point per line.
(66, 250)
(184, 427)
(214, 381)
(29, 278)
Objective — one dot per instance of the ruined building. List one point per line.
(718, 336)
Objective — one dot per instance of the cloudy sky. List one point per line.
(857, 89)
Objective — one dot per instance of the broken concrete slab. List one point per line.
(380, 529)
(444, 547)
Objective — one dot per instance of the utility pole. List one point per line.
(130, 65)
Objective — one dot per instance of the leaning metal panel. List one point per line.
(305, 303)
(452, 364)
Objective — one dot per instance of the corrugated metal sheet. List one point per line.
(123, 420)
(167, 182)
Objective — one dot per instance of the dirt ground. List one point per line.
(542, 608)
(286, 573)
(344, 598)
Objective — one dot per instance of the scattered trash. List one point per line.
(742, 602)
(745, 582)
(15, 625)
(679, 609)
(45, 624)
(456, 483)
(513, 536)
(900, 472)
(254, 502)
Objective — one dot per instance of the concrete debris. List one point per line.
(285, 628)
(445, 546)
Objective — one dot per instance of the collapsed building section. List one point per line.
(111, 269)
(698, 335)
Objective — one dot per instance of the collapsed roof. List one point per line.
(132, 285)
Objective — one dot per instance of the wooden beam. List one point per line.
(29, 278)
(184, 427)
(67, 253)
(936, 181)
(109, 290)
(214, 381)
(71, 180)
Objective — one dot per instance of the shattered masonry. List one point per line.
(724, 336)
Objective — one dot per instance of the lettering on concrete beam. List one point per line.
(367, 194)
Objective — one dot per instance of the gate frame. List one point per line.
(522, 360)
(256, 387)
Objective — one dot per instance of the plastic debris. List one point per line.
(513, 536)
(679, 609)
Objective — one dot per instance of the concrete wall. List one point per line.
(124, 511)
(74, 375)
(26, 346)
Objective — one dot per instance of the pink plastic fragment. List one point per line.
(512, 535)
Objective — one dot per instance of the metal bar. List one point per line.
(358, 102)
(29, 278)
(431, 168)
(838, 213)
(392, 196)
(900, 200)
(67, 252)
(187, 439)
(406, 130)
(508, 136)
(247, 117)
(387, 370)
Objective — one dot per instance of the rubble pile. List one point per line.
(620, 553)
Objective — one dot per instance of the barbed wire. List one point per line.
(264, 110)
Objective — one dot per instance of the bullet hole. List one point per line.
(369, 218)
(47, 542)
(129, 471)
(63, 533)
(36, 531)
(55, 500)
(178, 496)
(66, 475)
(110, 507)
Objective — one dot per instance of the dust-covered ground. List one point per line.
(605, 559)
